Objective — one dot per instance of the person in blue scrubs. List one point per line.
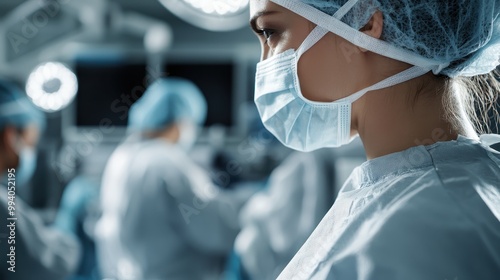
(162, 217)
(28, 249)
(407, 77)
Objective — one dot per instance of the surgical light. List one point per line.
(51, 86)
(213, 15)
(219, 7)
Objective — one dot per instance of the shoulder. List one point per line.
(146, 155)
(423, 237)
(139, 166)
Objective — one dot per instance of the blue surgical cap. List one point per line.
(463, 35)
(16, 110)
(166, 101)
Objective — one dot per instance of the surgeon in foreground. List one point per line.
(28, 248)
(162, 216)
(404, 76)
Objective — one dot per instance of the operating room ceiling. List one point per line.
(186, 37)
(184, 33)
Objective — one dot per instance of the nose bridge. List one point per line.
(266, 53)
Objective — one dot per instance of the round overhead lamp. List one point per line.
(51, 86)
(212, 15)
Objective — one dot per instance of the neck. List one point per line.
(170, 134)
(394, 120)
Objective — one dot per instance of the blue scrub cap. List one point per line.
(462, 35)
(16, 110)
(166, 101)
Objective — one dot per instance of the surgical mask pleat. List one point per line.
(278, 102)
(274, 82)
(276, 123)
(324, 126)
(308, 134)
(275, 62)
(294, 121)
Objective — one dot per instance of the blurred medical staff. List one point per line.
(29, 249)
(78, 211)
(410, 78)
(162, 216)
(277, 221)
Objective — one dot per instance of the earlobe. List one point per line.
(377, 25)
(374, 27)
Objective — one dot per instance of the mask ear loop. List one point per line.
(319, 32)
(316, 34)
(401, 77)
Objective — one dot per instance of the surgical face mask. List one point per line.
(297, 122)
(188, 134)
(27, 166)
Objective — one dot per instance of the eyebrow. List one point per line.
(253, 20)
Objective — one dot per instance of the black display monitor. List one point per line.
(108, 89)
(215, 80)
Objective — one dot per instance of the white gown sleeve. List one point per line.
(276, 222)
(42, 252)
(419, 241)
(207, 216)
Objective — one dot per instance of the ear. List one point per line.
(7, 146)
(374, 27)
(9, 137)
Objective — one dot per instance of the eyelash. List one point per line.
(266, 33)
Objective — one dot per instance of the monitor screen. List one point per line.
(215, 80)
(107, 90)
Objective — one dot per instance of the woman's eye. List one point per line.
(267, 33)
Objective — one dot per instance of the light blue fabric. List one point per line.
(166, 101)
(41, 252)
(277, 221)
(16, 110)
(464, 33)
(76, 197)
(428, 212)
(162, 218)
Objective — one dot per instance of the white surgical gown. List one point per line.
(277, 221)
(162, 216)
(41, 252)
(424, 213)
